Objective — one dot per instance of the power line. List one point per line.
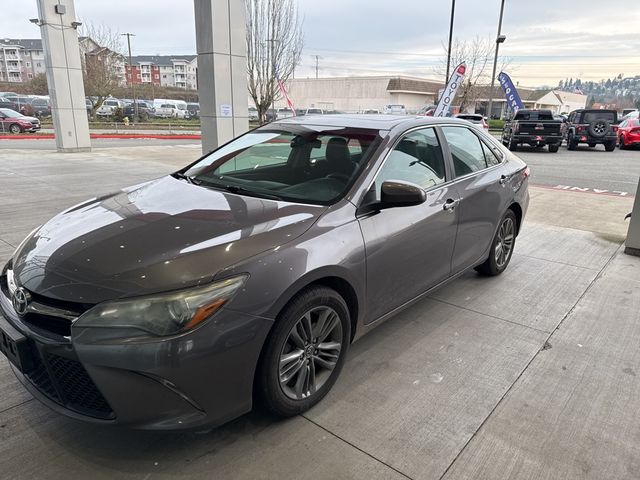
(381, 52)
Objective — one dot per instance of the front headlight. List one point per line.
(163, 314)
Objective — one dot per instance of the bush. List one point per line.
(496, 124)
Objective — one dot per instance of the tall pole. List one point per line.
(317, 57)
(453, 10)
(495, 60)
(133, 88)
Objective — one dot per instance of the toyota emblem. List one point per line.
(20, 301)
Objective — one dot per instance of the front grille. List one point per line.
(66, 382)
(56, 325)
(78, 389)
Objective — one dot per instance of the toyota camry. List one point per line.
(245, 276)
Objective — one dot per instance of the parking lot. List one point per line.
(532, 374)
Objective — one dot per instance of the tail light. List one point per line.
(635, 130)
(484, 123)
(615, 128)
(526, 172)
(579, 129)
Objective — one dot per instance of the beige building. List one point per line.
(355, 94)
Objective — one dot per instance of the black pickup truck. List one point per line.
(533, 127)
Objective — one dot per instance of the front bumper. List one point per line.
(111, 376)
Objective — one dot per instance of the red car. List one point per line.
(14, 122)
(629, 133)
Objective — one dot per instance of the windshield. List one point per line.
(10, 113)
(304, 164)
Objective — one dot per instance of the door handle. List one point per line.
(450, 204)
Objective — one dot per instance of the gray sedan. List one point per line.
(246, 276)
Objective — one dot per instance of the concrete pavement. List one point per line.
(532, 374)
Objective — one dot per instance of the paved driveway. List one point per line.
(532, 374)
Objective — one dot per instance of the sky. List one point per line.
(547, 40)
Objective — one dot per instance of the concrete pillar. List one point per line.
(632, 244)
(222, 70)
(64, 75)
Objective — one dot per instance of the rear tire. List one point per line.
(504, 241)
(571, 142)
(621, 143)
(610, 146)
(295, 371)
(554, 148)
(512, 145)
(591, 145)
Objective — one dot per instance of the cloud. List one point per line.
(547, 40)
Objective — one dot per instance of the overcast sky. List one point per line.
(547, 40)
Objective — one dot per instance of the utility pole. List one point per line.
(499, 39)
(317, 57)
(453, 10)
(133, 88)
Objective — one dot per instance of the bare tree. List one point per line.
(102, 61)
(478, 54)
(274, 45)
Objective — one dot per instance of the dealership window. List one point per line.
(28, 64)
(466, 150)
(38, 64)
(29, 75)
(417, 158)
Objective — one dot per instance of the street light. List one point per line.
(453, 11)
(133, 89)
(499, 39)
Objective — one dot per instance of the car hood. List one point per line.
(159, 236)
(28, 119)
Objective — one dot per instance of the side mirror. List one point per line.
(396, 193)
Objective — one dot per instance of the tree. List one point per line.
(102, 63)
(274, 46)
(478, 54)
(38, 85)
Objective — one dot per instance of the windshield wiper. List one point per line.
(182, 176)
(242, 190)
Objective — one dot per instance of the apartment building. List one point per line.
(20, 59)
(164, 70)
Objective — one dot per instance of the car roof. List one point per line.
(367, 121)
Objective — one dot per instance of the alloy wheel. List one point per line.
(504, 242)
(310, 353)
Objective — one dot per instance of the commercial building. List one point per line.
(356, 94)
(164, 70)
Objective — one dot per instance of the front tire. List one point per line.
(305, 352)
(15, 128)
(502, 247)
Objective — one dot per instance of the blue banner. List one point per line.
(510, 92)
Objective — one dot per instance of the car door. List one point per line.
(480, 183)
(409, 249)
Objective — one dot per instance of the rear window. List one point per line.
(534, 115)
(591, 116)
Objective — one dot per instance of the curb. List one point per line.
(46, 136)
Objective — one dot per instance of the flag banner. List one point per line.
(510, 92)
(450, 91)
(285, 94)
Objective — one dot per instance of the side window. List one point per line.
(623, 124)
(466, 150)
(490, 155)
(417, 158)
